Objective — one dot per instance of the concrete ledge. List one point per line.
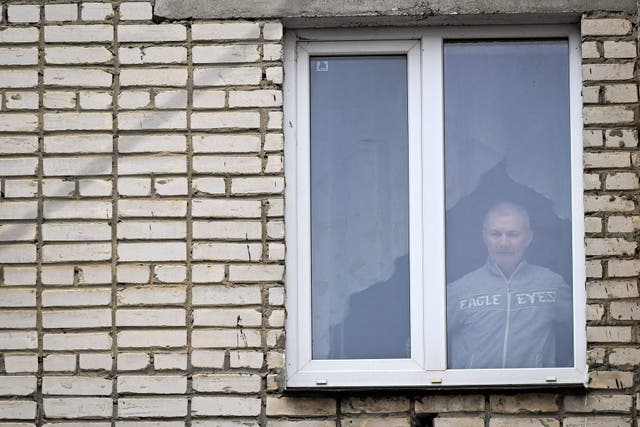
(392, 12)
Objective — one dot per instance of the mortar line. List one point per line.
(114, 212)
(189, 225)
(40, 218)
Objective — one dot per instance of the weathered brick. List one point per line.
(624, 268)
(610, 379)
(609, 246)
(153, 55)
(597, 421)
(607, 71)
(226, 405)
(372, 405)
(136, 11)
(152, 33)
(152, 407)
(225, 54)
(301, 406)
(76, 385)
(226, 31)
(605, 27)
(78, 33)
(223, 76)
(608, 333)
(621, 93)
(147, 384)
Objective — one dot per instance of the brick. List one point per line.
(153, 55)
(156, 384)
(246, 359)
(18, 210)
(207, 273)
(226, 31)
(144, 165)
(133, 273)
(20, 188)
(170, 361)
(76, 385)
(524, 403)
(262, 185)
(255, 273)
(621, 93)
(18, 56)
(77, 121)
(622, 181)
(18, 144)
(77, 319)
(77, 341)
(95, 187)
(17, 122)
(255, 98)
(95, 100)
(590, 50)
(623, 138)
(77, 251)
(131, 99)
(152, 33)
(272, 31)
(227, 251)
(152, 143)
(226, 295)
(17, 253)
(625, 310)
(17, 410)
(89, 165)
(207, 358)
(592, 138)
(232, 230)
(153, 77)
(59, 187)
(151, 317)
(152, 407)
(625, 356)
(136, 11)
(61, 12)
(609, 246)
(227, 383)
(230, 165)
(607, 160)
(78, 33)
(151, 230)
(77, 209)
(60, 363)
(155, 338)
(17, 385)
(208, 185)
(19, 166)
(171, 186)
(610, 379)
(592, 225)
(608, 333)
(458, 422)
(374, 405)
(19, 276)
(209, 99)
(523, 422)
(96, 11)
(156, 251)
(152, 295)
(607, 71)
(170, 99)
(152, 208)
(58, 275)
(249, 317)
(275, 75)
(170, 273)
(15, 340)
(225, 120)
(225, 338)
(152, 120)
(624, 268)
(592, 402)
(133, 361)
(594, 269)
(620, 224)
(595, 311)
(272, 52)
(300, 406)
(612, 289)
(17, 232)
(607, 203)
(225, 54)
(19, 35)
(609, 114)
(18, 319)
(20, 363)
(605, 27)
(21, 100)
(76, 297)
(225, 208)
(597, 421)
(224, 76)
(74, 407)
(96, 361)
(22, 13)
(134, 187)
(226, 405)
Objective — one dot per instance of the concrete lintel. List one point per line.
(379, 11)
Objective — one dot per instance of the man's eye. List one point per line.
(513, 235)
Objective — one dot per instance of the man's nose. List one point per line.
(503, 240)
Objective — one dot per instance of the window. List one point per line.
(434, 207)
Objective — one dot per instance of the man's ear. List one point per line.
(529, 238)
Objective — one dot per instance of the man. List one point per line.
(508, 313)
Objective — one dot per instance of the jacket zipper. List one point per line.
(506, 329)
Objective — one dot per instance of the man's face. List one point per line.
(507, 237)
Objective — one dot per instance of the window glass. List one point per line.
(359, 207)
(508, 204)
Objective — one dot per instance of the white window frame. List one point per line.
(423, 47)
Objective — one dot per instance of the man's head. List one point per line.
(507, 234)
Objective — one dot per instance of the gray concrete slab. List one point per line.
(392, 12)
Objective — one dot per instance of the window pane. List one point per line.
(508, 198)
(359, 207)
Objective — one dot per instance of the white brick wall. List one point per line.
(142, 230)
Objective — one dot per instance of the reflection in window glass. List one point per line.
(359, 207)
(508, 199)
